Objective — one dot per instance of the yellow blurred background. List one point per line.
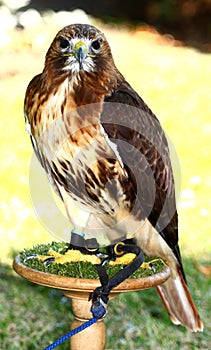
(174, 81)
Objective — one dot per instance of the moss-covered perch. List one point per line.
(81, 269)
(78, 279)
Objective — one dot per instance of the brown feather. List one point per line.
(179, 303)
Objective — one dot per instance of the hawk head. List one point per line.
(79, 48)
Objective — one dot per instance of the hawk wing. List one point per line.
(138, 134)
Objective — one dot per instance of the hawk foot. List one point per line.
(68, 257)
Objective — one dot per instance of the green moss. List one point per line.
(78, 269)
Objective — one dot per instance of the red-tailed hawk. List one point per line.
(104, 151)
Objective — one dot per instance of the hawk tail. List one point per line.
(179, 304)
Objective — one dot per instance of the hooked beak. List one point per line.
(80, 52)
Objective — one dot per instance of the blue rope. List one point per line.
(71, 333)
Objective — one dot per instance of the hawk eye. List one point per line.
(96, 44)
(64, 43)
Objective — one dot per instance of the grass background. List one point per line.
(175, 82)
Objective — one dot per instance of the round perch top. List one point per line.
(68, 271)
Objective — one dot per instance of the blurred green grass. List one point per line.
(175, 82)
(33, 317)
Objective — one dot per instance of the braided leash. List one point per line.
(71, 333)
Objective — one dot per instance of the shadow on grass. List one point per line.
(33, 316)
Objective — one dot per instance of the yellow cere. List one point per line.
(79, 44)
